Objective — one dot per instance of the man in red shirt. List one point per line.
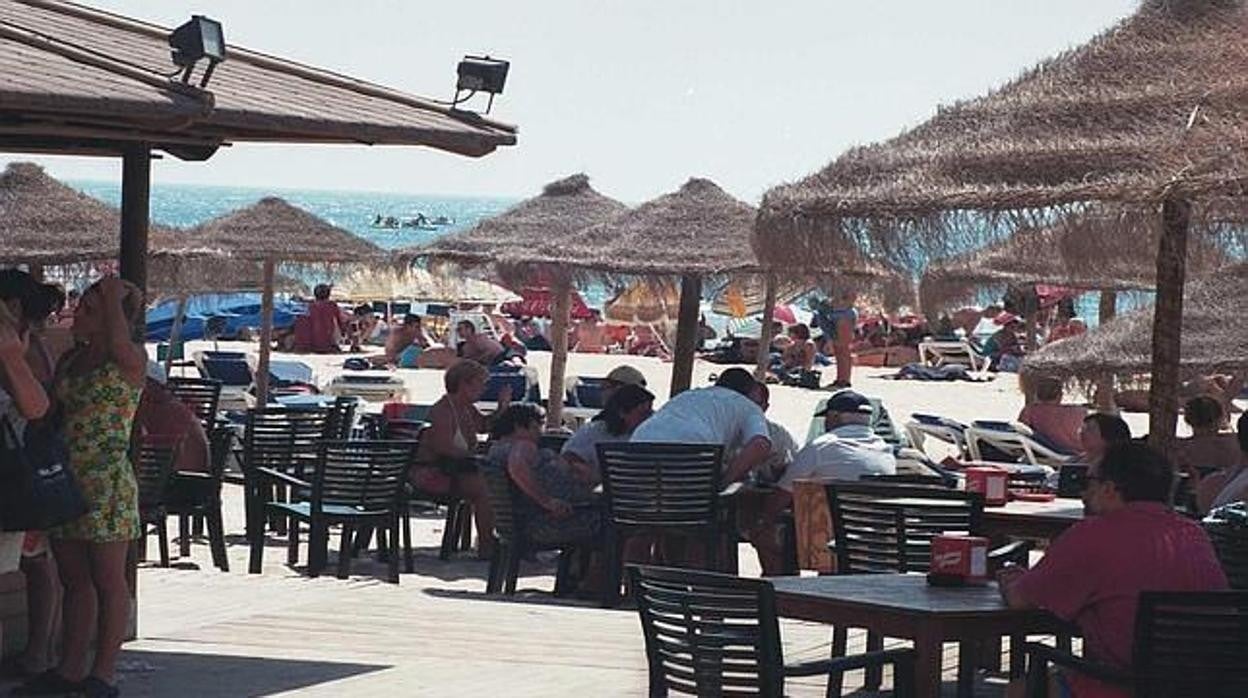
(1131, 542)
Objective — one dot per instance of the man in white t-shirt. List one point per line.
(848, 450)
(726, 413)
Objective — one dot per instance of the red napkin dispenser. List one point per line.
(992, 483)
(960, 557)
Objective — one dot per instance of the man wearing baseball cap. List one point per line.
(619, 377)
(848, 450)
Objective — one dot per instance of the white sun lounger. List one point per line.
(944, 353)
(1018, 442)
(951, 433)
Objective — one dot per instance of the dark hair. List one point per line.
(514, 417)
(1242, 428)
(1112, 427)
(364, 309)
(800, 330)
(625, 399)
(466, 323)
(411, 319)
(321, 292)
(737, 379)
(38, 301)
(1048, 389)
(1140, 473)
(1203, 411)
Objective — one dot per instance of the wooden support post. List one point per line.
(136, 186)
(1163, 394)
(765, 337)
(686, 333)
(561, 291)
(1104, 397)
(266, 336)
(35, 271)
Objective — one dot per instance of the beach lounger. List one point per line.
(943, 353)
(881, 423)
(519, 383)
(1016, 440)
(950, 431)
(588, 393)
(234, 373)
(370, 386)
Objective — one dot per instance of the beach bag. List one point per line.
(38, 491)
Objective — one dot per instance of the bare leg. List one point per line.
(765, 533)
(43, 593)
(108, 570)
(81, 606)
(472, 487)
(844, 357)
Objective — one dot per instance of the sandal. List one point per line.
(49, 683)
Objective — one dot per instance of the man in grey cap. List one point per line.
(848, 450)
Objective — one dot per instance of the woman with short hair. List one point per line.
(628, 407)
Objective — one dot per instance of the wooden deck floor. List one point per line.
(208, 633)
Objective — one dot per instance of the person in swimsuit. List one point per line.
(837, 319)
(478, 347)
(98, 386)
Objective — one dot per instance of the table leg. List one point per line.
(928, 649)
(968, 659)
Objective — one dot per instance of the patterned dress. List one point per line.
(99, 412)
(553, 478)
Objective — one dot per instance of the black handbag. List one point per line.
(38, 490)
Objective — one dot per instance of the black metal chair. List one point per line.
(515, 544)
(660, 488)
(198, 496)
(881, 528)
(201, 395)
(282, 439)
(717, 635)
(1187, 645)
(341, 419)
(353, 484)
(153, 467)
(1227, 527)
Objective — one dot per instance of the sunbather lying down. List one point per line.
(950, 372)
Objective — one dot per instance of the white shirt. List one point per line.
(1233, 491)
(844, 453)
(584, 443)
(711, 415)
(783, 450)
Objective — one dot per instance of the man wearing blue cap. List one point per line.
(847, 450)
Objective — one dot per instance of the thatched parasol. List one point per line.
(1215, 339)
(272, 231)
(417, 284)
(504, 247)
(645, 303)
(1146, 116)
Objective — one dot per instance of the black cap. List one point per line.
(846, 401)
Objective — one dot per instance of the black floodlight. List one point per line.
(480, 74)
(200, 38)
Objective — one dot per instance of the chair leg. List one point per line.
(162, 539)
(497, 562)
(318, 544)
(563, 576)
(141, 554)
(197, 526)
(1037, 678)
(394, 549)
(292, 542)
(449, 531)
(216, 538)
(840, 643)
(409, 560)
(257, 546)
(513, 569)
(184, 535)
(465, 526)
(344, 552)
(614, 548)
(874, 675)
(1018, 658)
(968, 658)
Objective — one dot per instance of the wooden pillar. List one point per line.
(266, 336)
(561, 292)
(1029, 326)
(1104, 397)
(35, 271)
(1163, 394)
(765, 336)
(136, 186)
(686, 333)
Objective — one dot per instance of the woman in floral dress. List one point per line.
(98, 384)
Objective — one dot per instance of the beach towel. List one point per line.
(946, 373)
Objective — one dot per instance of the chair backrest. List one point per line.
(878, 528)
(153, 468)
(502, 501)
(406, 411)
(553, 441)
(588, 393)
(1191, 644)
(367, 475)
(201, 395)
(341, 418)
(494, 384)
(232, 372)
(215, 327)
(708, 634)
(220, 442)
(661, 484)
(283, 437)
(1230, 540)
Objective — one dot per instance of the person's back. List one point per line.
(844, 452)
(1050, 419)
(712, 415)
(324, 326)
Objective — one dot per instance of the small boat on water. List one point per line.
(420, 222)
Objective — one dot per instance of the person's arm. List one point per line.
(28, 395)
(122, 350)
(1007, 583)
(520, 468)
(756, 451)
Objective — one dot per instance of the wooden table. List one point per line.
(904, 606)
(1037, 520)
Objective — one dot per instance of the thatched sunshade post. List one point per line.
(272, 231)
(1144, 117)
(765, 337)
(506, 245)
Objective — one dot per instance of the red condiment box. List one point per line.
(960, 557)
(991, 482)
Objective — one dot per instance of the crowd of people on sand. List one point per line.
(102, 397)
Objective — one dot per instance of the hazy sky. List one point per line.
(640, 94)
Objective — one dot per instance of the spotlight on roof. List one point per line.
(480, 74)
(200, 38)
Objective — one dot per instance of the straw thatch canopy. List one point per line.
(417, 284)
(1152, 108)
(646, 303)
(73, 78)
(1214, 337)
(273, 230)
(506, 244)
(172, 274)
(746, 296)
(1095, 253)
(43, 221)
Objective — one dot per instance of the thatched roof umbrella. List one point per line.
(1215, 340)
(272, 231)
(505, 245)
(1146, 116)
(417, 284)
